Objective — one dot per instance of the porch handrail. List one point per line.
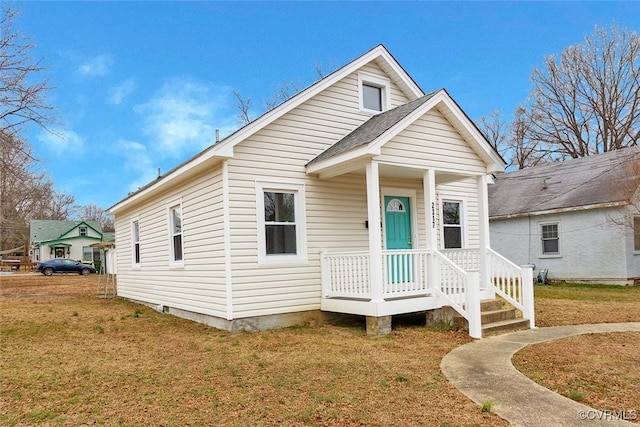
(513, 283)
(461, 289)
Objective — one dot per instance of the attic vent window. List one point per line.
(371, 97)
(83, 231)
(374, 92)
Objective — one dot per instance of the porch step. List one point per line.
(495, 318)
(505, 326)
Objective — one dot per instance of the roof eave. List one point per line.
(560, 210)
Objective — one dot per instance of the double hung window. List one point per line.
(175, 232)
(281, 222)
(452, 224)
(135, 232)
(550, 239)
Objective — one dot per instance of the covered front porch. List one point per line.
(389, 279)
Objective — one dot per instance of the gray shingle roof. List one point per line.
(594, 180)
(372, 128)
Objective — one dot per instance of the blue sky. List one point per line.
(143, 85)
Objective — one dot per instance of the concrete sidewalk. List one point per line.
(482, 370)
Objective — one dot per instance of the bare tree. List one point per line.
(286, 90)
(22, 94)
(244, 108)
(25, 192)
(96, 213)
(588, 101)
(495, 130)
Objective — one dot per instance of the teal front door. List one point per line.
(397, 221)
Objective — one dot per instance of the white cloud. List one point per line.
(182, 116)
(61, 142)
(97, 66)
(137, 160)
(124, 89)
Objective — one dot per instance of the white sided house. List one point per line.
(360, 195)
(579, 219)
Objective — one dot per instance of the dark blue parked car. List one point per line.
(64, 265)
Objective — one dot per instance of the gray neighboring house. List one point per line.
(579, 219)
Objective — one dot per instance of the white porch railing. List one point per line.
(513, 283)
(404, 273)
(453, 275)
(345, 275)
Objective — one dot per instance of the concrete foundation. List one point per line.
(440, 316)
(378, 325)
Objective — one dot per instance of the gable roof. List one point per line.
(48, 230)
(367, 139)
(224, 149)
(372, 129)
(595, 181)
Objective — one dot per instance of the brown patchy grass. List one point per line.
(71, 358)
(599, 370)
(559, 305)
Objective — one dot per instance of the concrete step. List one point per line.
(497, 315)
(490, 305)
(504, 326)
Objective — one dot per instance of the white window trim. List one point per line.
(135, 265)
(301, 224)
(633, 234)
(377, 81)
(550, 255)
(172, 262)
(463, 219)
(86, 231)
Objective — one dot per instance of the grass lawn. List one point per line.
(599, 370)
(68, 357)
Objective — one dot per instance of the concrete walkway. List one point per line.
(482, 370)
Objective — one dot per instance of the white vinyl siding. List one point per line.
(200, 285)
(432, 142)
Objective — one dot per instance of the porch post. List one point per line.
(483, 222)
(375, 231)
(430, 209)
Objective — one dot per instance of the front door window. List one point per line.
(59, 252)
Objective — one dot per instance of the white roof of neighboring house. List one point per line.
(608, 179)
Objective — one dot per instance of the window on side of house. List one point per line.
(281, 222)
(175, 233)
(135, 234)
(374, 93)
(636, 233)
(83, 231)
(550, 239)
(452, 224)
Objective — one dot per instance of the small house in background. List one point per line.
(64, 239)
(578, 220)
(361, 195)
